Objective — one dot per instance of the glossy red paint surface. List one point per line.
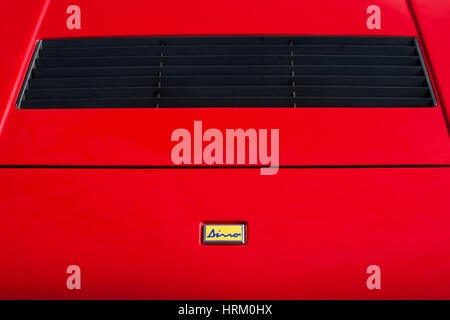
(309, 136)
(432, 18)
(311, 233)
(135, 232)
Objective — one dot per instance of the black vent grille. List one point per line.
(258, 71)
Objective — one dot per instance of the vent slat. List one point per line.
(229, 102)
(228, 70)
(240, 91)
(221, 50)
(230, 60)
(239, 71)
(177, 81)
(226, 41)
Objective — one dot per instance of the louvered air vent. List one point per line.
(257, 71)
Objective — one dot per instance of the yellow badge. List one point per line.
(224, 234)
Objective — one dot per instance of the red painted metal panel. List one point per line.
(308, 136)
(19, 28)
(432, 19)
(135, 232)
(311, 233)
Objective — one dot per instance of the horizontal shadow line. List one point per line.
(222, 167)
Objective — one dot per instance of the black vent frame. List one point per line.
(227, 71)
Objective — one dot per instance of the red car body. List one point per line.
(97, 188)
